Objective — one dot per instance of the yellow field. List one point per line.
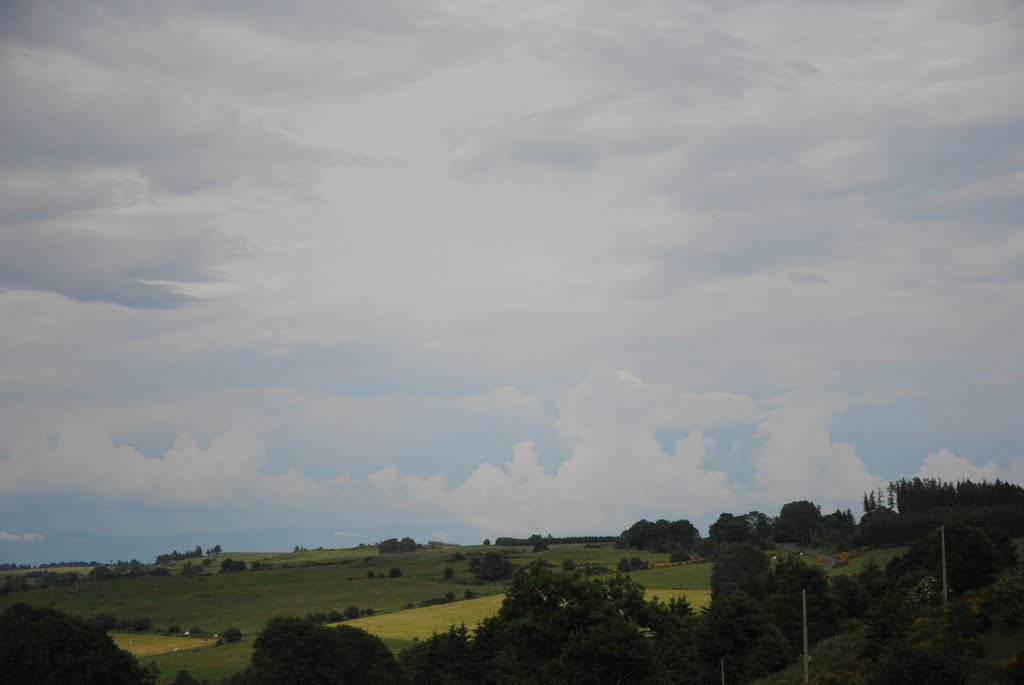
(424, 621)
(145, 644)
(698, 599)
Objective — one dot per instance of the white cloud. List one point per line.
(797, 458)
(946, 465)
(85, 461)
(617, 470)
(26, 537)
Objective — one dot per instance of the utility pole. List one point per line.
(723, 671)
(807, 670)
(945, 586)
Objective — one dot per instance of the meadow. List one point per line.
(320, 581)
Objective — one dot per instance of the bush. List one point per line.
(469, 594)
(232, 635)
(371, 574)
(184, 678)
(351, 612)
(568, 565)
(680, 555)
(174, 628)
(104, 621)
(124, 624)
(395, 573)
(367, 612)
(450, 596)
(159, 571)
(142, 623)
(449, 573)
(195, 630)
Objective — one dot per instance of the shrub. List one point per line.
(450, 596)
(104, 621)
(174, 628)
(469, 594)
(680, 555)
(159, 571)
(351, 612)
(449, 573)
(367, 612)
(142, 623)
(370, 574)
(232, 635)
(395, 573)
(195, 630)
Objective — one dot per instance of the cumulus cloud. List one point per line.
(946, 465)
(26, 537)
(616, 472)
(86, 462)
(798, 459)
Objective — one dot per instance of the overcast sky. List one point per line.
(349, 270)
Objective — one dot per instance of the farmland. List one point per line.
(400, 610)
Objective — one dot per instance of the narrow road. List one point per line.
(830, 561)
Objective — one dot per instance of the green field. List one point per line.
(149, 644)
(881, 556)
(213, 663)
(424, 621)
(331, 580)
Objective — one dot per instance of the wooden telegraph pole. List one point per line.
(807, 674)
(945, 586)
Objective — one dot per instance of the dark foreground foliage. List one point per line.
(44, 645)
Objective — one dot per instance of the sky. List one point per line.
(323, 273)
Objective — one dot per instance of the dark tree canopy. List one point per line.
(974, 558)
(798, 521)
(560, 628)
(492, 566)
(396, 546)
(293, 651)
(729, 528)
(661, 536)
(44, 645)
(740, 567)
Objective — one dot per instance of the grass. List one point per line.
(825, 655)
(422, 622)
(881, 555)
(213, 664)
(691, 577)
(241, 600)
(150, 644)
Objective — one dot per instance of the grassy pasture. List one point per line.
(691, 577)
(149, 644)
(882, 556)
(422, 622)
(213, 663)
(241, 600)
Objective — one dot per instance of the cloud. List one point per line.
(798, 459)
(86, 462)
(617, 470)
(945, 465)
(27, 537)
